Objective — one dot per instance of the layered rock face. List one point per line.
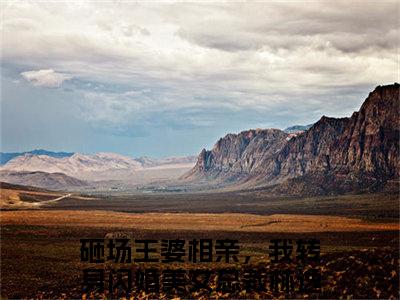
(236, 156)
(343, 154)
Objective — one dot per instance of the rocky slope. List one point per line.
(236, 156)
(53, 181)
(334, 155)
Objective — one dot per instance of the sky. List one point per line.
(170, 78)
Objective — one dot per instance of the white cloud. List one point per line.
(114, 108)
(45, 78)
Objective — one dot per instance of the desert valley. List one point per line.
(199, 149)
(336, 180)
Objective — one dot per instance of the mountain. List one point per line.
(102, 166)
(10, 186)
(5, 157)
(78, 165)
(297, 128)
(333, 155)
(53, 181)
(236, 156)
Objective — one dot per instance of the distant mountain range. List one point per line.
(144, 160)
(334, 155)
(77, 165)
(82, 169)
(297, 128)
(5, 157)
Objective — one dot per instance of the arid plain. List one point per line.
(41, 231)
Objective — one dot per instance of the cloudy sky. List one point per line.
(164, 78)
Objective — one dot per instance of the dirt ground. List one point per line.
(359, 235)
(40, 256)
(196, 221)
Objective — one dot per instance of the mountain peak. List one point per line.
(334, 154)
(297, 128)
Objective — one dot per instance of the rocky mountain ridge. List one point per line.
(341, 154)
